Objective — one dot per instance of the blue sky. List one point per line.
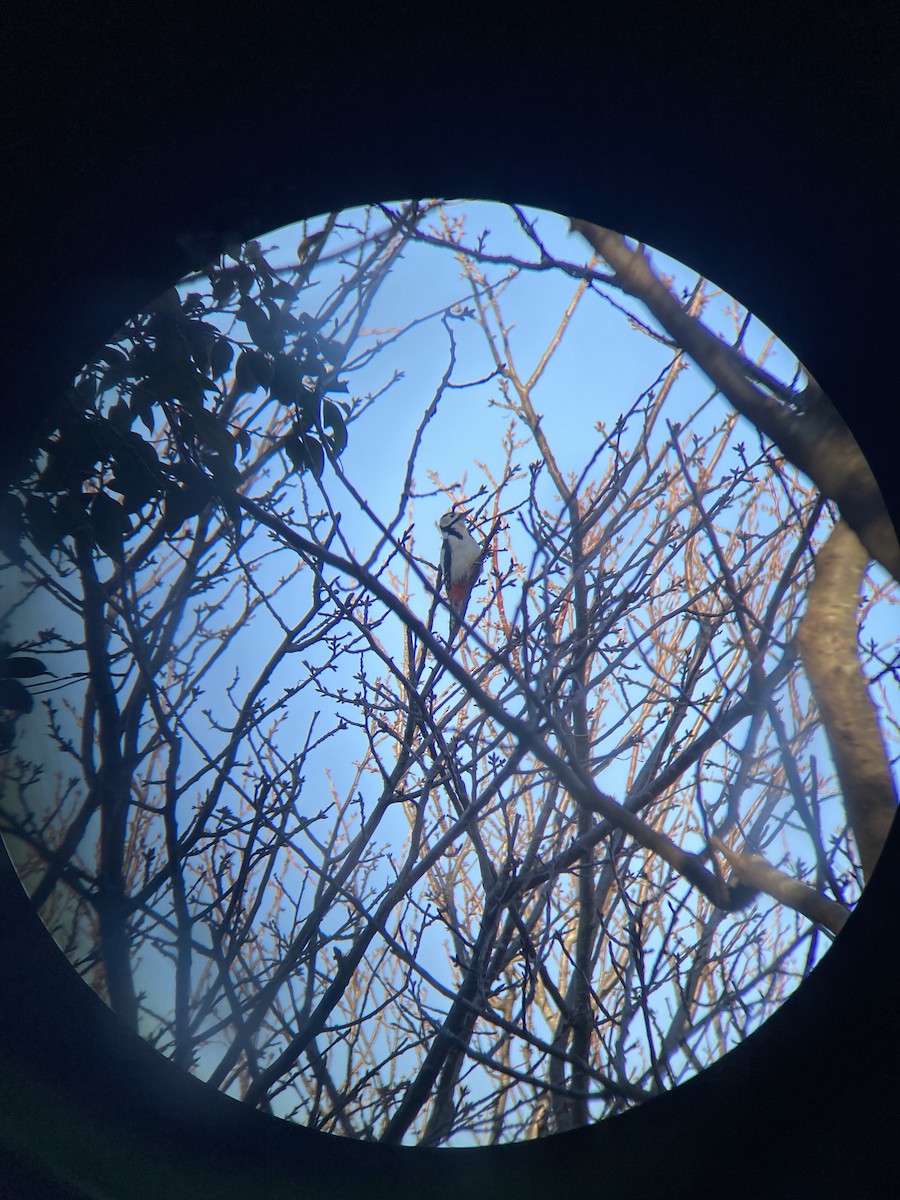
(603, 366)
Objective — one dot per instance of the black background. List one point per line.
(759, 148)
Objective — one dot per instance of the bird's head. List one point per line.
(452, 522)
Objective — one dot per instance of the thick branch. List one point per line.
(815, 440)
(112, 793)
(756, 872)
(827, 639)
(452, 1037)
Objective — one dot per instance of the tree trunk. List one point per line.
(827, 638)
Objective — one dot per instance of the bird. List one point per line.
(460, 563)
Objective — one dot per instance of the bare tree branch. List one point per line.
(814, 438)
(827, 637)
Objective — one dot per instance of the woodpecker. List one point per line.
(460, 561)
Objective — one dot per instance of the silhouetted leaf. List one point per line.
(333, 418)
(213, 433)
(293, 448)
(286, 384)
(74, 454)
(22, 667)
(118, 367)
(223, 470)
(136, 473)
(316, 455)
(110, 523)
(259, 326)
(86, 389)
(120, 416)
(142, 359)
(71, 514)
(224, 285)
(245, 441)
(306, 454)
(245, 380)
(143, 398)
(15, 697)
(163, 326)
(182, 503)
(306, 344)
(252, 370)
(309, 409)
(201, 338)
(43, 527)
(220, 355)
(166, 302)
(331, 350)
(193, 304)
(187, 384)
(283, 290)
(12, 526)
(233, 511)
(244, 277)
